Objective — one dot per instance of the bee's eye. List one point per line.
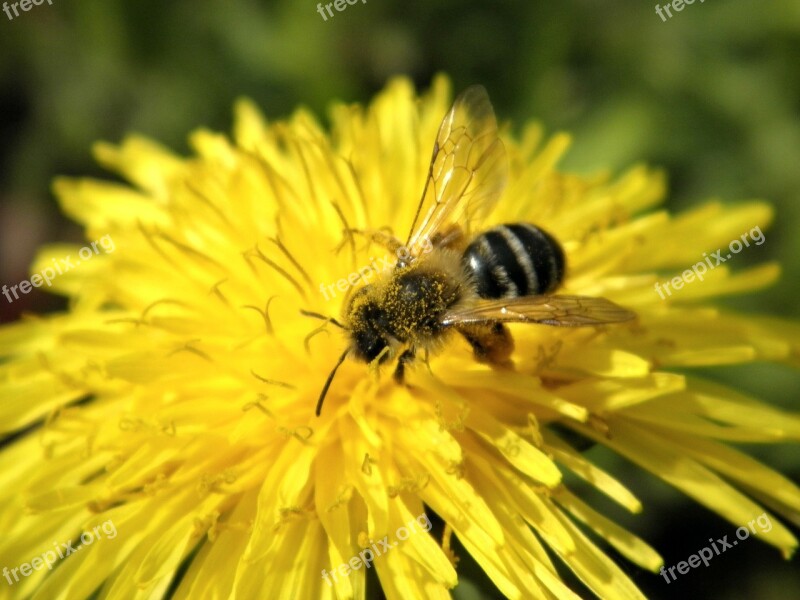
(369, 345)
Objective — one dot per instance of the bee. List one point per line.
(471, 284)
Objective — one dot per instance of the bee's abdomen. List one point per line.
(512, 260)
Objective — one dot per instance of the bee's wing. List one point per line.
(468, 169)
(567, 311)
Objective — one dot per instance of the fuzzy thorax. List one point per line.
(406, 306)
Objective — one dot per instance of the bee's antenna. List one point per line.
(328, 382)
(308, 313)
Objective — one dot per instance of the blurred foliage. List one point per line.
(712, 95)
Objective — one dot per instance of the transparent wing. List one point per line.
(468, 170)
(567, 311)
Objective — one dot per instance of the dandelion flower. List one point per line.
(175, 397)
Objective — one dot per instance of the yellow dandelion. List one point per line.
(165, 436)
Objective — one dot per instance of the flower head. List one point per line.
(175, 398)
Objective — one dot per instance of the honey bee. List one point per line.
(473, 284)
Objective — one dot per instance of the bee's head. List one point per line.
(368, 325)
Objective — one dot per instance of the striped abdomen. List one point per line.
(512, 260)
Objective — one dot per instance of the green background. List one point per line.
(712, 95)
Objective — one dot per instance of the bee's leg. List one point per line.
(380, 237)
(450, 237)
(406, 357)
(426, 360)
(491, 344)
